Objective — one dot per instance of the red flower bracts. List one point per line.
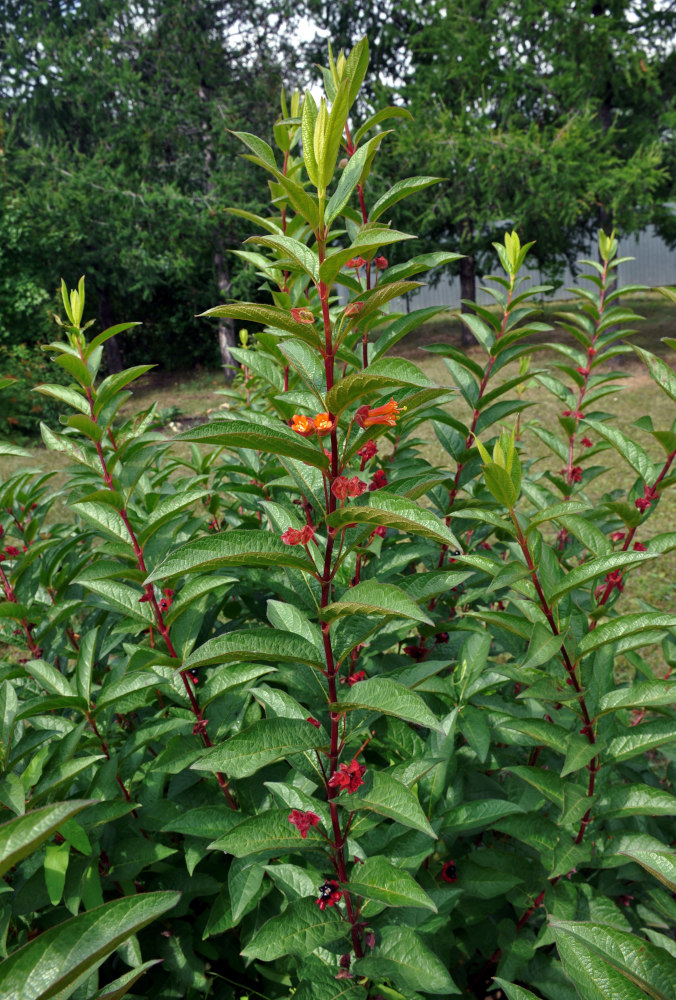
(586, 443)
(380, 262)
(379, 480)
(303, 315)
(167, 600)
(342, 487)
(356, 263)
(386, 414)
(348, 776)
(329, 894)
(449, 872)
(303, 820)
(367, 452)
(649, 495)
(355, 678)
(302, 536)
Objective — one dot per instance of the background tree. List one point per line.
(116, 118)
(552, 117)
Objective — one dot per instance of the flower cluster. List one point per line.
(303, 821)
(329, 894)
(449, 872)
(387, 414)
(648, 498)
(342, 487)
(299, 536)
(367, 452)
(379, 480)
(167, 600)
(348, 776)
(321, 424)
(356, 678)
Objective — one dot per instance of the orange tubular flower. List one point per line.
(386, 414)
(323, 423)
(302, 425)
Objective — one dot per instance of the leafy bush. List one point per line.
(296, 712)
(21, 409)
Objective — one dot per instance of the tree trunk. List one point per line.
(467, 292)
(226, 327)
(111, 346)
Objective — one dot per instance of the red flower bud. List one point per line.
(303, 315)
(380, 262)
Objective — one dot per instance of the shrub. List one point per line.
(21, 409)
(297, 712)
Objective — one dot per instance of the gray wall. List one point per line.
(654, 264)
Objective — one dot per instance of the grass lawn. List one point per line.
(191, 394)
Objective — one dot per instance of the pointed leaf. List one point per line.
(254, 644)
(238, 547)
(400, 955)
(23, 835)
(380, 694)
(300, 929)
(373, 598)
(263, 743)
(377, 878)
(48, 965)
(382, 508)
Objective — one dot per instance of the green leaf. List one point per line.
(252, 645)
(300, 929)
(71, 397)
(23, 835)
(121, 597)
(117, 989)
(105, 335)
(267, 833)
(579, 752)
(642, 738)
(66, 954)
(478, 813)
(400, 955)
(368, 239)
(266, 741)
(350, 177)
(165, 510)
(244, 881)
(392, 111)
(659, 370)
(49, 678)
(383, 794)
(637, 800)
(377, 878)
(383, 508)
(56, 866)
(626, 625)
(594, 978)
(380, 694)
(647, 694)
(105, 518)
(378, 377)
(642, 963)
(373, 598)
(293, 249)
(631, 452)
(597, 567)
(402, 189)
(259, 436)
(661, 864)
(324, 986)
(238, 547)
(85, 663)
(514, 992)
